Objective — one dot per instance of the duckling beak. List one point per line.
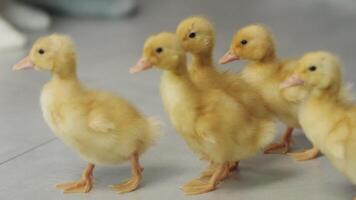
(142, 65)
(228, 57)
(25, 63)
(292, 81)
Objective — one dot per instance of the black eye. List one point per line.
(192, 35)
(41, 51)
(243, 42)
(312, 68)
(159, 50)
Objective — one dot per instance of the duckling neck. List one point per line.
(180, 70)
(327, 95)
(64, 77)
(181, 75)
(69, 80)
(204, 59)
(270, 57)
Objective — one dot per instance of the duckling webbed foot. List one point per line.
(283, 146)
(206, 174)
(305, 155)
(197, 186)
(132, 183)
(209, 172)
(84, 185)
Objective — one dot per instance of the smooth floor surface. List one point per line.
(32, 160)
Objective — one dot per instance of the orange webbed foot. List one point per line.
(132, 183)
(198, 186)
(283, 146)
(305, 155)
(84, 185)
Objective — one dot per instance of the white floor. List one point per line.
(32, 160)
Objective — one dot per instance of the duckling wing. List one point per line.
(99, 122)
(108, 113)
(218, 114)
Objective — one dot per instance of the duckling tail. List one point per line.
(151, 131)
(154, 128)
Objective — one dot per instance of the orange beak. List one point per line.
(228, 57)
(25, 63)
(292, 81)
(142, 65)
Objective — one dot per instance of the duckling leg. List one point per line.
(305, 155)
(134, 181)
(283, 146)
(211, 169)
(234, 166)
(206, 174)
(201, 187)
(84, 185)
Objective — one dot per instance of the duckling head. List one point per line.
(196, 35)
(253, 42)
(316, 71)
(55, 53)
(162, 51)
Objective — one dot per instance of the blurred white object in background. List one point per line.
(26, 17)
(10, 38)
(19, 15)
(23, 15)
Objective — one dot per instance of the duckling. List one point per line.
(265, 71)
(104, 129)
(197, 36)
(212, 123)
(327, 115)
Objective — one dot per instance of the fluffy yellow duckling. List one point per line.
(265, 71)
(327, 116)
(104, 129)
(212, 123)
(197, 36)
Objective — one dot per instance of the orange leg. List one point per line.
(305, 155)
(84, 185)
(234, 166)
(134, 181)
(211, 169)
(283, 146)
(199, 187)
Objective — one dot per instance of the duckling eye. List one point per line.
(312, 68)
(159, 50)
(192, 35)
(41, 51)
(243, 42)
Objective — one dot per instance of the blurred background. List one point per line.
(109, 35)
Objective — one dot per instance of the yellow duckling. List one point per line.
(327, 115)
(104, 129)
(265, 71)
(212, 123)
(197, 36)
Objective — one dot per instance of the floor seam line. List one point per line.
(28, 151)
